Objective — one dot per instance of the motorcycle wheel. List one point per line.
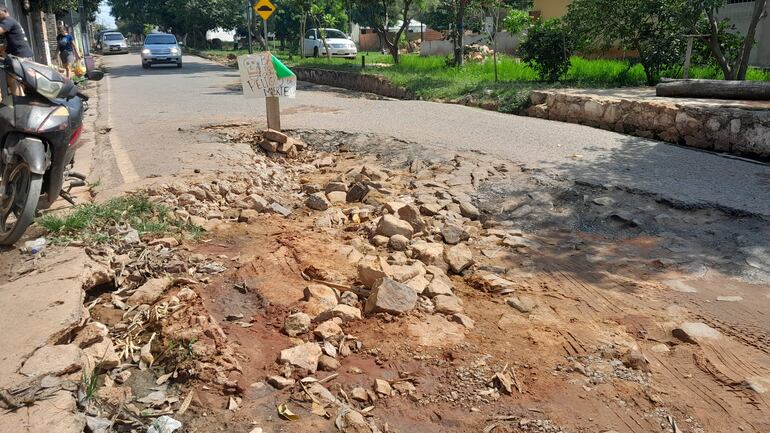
(18, 206)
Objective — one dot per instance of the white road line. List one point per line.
(122, 159)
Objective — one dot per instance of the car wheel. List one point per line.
(178, 64)
(315, 52)
(145, 65)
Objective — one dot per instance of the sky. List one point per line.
(105, 18)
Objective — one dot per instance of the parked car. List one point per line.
(114, 43)
(99, 36)
(160, 48)
(339, 44)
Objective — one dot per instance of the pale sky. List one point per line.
(104, 18)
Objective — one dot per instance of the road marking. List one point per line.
(122, 159)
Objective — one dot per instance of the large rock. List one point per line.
(317, 201)
(448, 304)
(459, 258)
(454, 234)
(398, 243)
(256, 202)
(389, 296)
(327, 363)
(101, 354)
(411, 214)
(438, 287)
(470, 211)
(429, 253)
(329, 330)
(319, 298)
(55, 414)
(296, 324)
(149, 292)
(371, 269)
(696, 332)
(54, 360)
(302, 356)
(357, 192)
(350, 421)
(390, 226)
(346, 313)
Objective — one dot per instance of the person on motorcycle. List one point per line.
(68, 51)
(16, 44)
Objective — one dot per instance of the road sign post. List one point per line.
(264, 76)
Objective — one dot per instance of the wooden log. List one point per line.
(715, 89)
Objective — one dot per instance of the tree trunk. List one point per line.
(718, 89)
(716, 49)
(302, 30)
(460, 28)
(748, 44)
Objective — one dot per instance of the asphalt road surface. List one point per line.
(155, 116)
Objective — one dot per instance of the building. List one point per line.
(547, 9)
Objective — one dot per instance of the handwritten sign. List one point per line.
(263, 76)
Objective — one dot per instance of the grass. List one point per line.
(92, 222)
(434, 78)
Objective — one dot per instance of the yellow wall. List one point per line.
(551, 8)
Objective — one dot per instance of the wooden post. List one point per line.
(273, 108)
(688, 57)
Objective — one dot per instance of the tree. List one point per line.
(327, 13)
(734, 65)
(547, 49)
(376, 14)
(58, 6)
(652, 28)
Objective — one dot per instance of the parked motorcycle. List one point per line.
(38, 138)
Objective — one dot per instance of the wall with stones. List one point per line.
(736, 130)
(353, 81)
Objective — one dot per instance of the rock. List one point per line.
(429, 253)
(327, 363)
(269, 146)
(287, 149)
(392, 207)
(359, 394)
(447, 304)
(374, 173)
(317, 201)
(453, 234)
(92, 333)
(380, 241)
(303, 356)
(54, 360)
(349, 298)
(522, 304)
(459, 258)
(660, 348)
(321, 292)
(277, 136)
(403, 273)
(430, 209)
(350, 421)
(101, 354)
(389, 296)
(336, 197)
(405, 387)
(425, 305)
(357, 193)
(280, 382)
(390, 226)
(329, 330)
(187, 200)
(149, 292)
(438, 287)
(411, 214)
(729, 298)
(463, 320)
(693, 332)
(215, 215)
(635, 359)
(131, 237)
(296, 324)
(336, 186)
(469, 211)
(418, 284)
(164, 242)
(280, 209)
(114, 396)
(604, 201)
(371, 269)
(256, 202)
(398, 243)
(383, 387)
(248, 216)
(341, 311)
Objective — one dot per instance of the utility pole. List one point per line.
(249, 15)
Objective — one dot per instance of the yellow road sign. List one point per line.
(264, 8)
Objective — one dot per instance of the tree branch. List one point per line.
(716, 50)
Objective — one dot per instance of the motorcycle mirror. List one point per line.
(95, 75)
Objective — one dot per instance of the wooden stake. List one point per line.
(273, 108)
(688, 57)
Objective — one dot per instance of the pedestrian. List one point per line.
(68, 52)
(16, 44)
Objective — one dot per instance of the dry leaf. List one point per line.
(286, 414)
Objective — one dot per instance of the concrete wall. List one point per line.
(550, 8)
(436, 48)
(739, 14)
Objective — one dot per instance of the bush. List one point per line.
(547, 49)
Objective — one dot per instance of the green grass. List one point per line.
(434, 78)
(92, 222)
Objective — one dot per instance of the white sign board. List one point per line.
(264, 76)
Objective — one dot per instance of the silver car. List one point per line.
(161, 48)
(114, 43)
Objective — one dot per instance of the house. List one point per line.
(738, 11)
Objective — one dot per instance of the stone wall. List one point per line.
(740, 130)
(353, 81)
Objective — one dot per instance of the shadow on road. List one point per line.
(187, 70)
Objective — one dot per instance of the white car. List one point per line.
(114, 42)
(339, 44)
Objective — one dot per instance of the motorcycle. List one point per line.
(39, 134)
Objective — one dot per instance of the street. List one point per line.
(147, 109)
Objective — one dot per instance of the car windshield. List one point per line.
(160, 40)
(335, 34)
(113, 37)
